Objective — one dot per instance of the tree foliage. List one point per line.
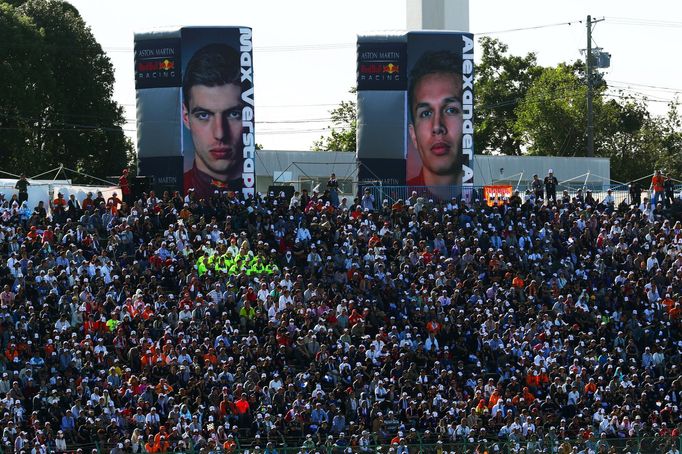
(57, 86)
(342, 135)
(501, 81)
(551, 117)
(523, 108)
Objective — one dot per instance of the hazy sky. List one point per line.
(304, 50)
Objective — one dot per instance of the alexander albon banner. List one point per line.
(440, 111)
(218, 139)
(415, 110)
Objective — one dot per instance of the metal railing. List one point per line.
(550, 444)
(392, 194)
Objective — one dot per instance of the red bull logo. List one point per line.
(167, 65)
(391, 68)
(164, 65)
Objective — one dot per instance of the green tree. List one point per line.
(57, 87)
(667, 137)
(551, 117)
(625, 129)
(342, 135)
(551, 120)
(502, 80)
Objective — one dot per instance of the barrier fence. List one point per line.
(471, 193)
(548, 444)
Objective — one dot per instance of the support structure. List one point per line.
(590, 90)
(590, 114)
(452, 15)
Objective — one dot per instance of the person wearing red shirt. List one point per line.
(88, 202)
(90, 325)
(60, 201)
(242, 405)
(434, 326)
(242, 408)
(48, 235)
(355, 317)
(125, 186)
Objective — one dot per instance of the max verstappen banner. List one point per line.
(218, 110)
(436, 111)
(195, 115)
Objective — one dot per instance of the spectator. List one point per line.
(128, 326)
(551, 184)
(657, 187)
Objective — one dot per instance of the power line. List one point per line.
(301, 47)
(534, 27)
(644, 22)
(655, 87)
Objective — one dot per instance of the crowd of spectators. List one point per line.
(542, 324)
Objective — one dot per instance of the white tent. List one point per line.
(46, 190)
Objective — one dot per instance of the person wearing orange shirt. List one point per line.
(668, 303)
(11, 353)
(230, 445)
(163, 387)
(114, 203)
(211, 357)
(160, 440)
(657, 186)
(675, 312)
(533, 380)
(494, 398)
(150, 446)
(518, 282)
(590, 387)
(148, 359)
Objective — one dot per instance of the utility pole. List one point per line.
(590, 92)
(590, 114)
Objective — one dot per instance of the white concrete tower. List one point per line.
(452, 15)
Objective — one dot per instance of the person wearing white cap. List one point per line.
(550, 185)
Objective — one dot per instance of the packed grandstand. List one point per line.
(289, 324)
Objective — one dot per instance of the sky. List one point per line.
(304, 50)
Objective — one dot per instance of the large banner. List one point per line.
(195, 109)
(425, 81)
(217, 110)
(382, 81)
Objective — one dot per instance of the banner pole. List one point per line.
(587, 177)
